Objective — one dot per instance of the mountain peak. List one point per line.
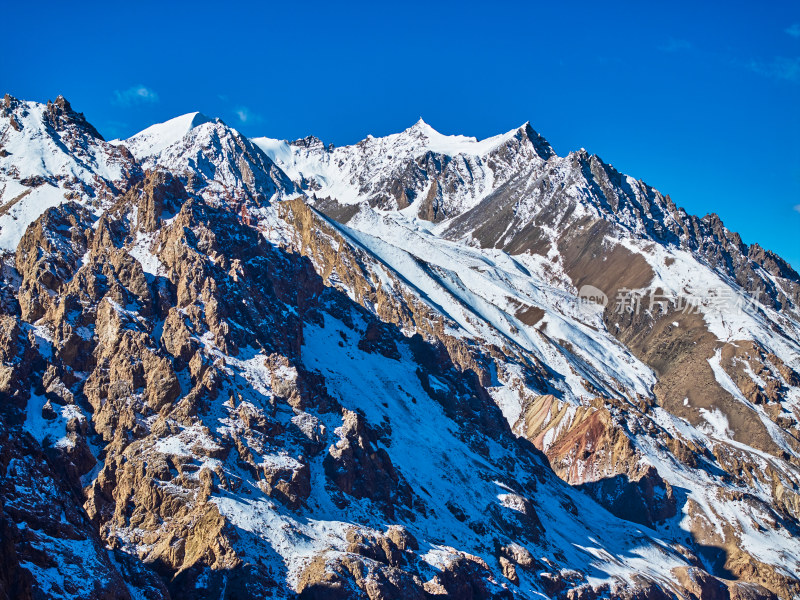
(59, 114)
(310, 142)
(156, 138)
(422, 128)
(452, 145)
(540, 144)
(199, 118)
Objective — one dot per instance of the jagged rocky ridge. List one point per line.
(245, 368)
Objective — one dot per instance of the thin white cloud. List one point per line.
(675, 45)
(793, 30)
(245, 115)
(797, 207)
(780, 67)
(137, 94)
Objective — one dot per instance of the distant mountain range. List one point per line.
(420, 366)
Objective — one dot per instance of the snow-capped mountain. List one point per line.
(49, 152)
(439, 176)
(211, 157)
(421, 366)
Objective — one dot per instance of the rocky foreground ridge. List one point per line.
(245, 368)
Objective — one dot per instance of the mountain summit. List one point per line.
(420, 366)
(157, 138)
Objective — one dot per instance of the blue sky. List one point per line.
(701, 100)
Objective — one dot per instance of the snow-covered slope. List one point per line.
(681, 293)
(485, 297)
(49, 152)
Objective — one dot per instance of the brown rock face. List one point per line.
(362, 470)
(466, 576)
(701, 585)
(589, 448)
(348, 576)
(158, 195)
(132, 342)
(46, 260)
(56, 538)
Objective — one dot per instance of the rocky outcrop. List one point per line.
(589, 448)
(60, 115)
(47, 260)
(361, 470)
(56, 552)
(347, 576)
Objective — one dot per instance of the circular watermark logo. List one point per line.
(590, 294)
